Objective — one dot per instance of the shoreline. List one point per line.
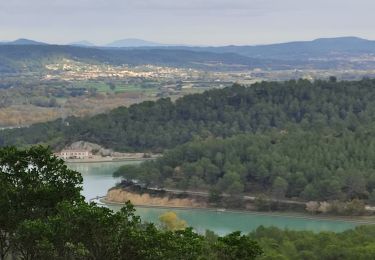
(108, 161)
(298, 215)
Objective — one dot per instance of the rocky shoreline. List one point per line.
(152, 197)
(143, 197)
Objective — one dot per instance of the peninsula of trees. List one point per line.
(295, 139)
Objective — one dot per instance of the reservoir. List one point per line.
(97, 179)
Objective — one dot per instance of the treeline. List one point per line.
(312, 165)
(21, 58)
(295, 245)
(155, 126)
(43, 216)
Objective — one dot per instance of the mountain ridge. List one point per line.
(133, 42)
(323, 53)
(136, 42)
(23, 41)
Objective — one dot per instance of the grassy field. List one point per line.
(120, 87)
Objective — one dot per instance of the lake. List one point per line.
(97, 179)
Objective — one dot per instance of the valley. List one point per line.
(41, 82)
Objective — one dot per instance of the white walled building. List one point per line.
(74, 154)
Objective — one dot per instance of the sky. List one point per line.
(195, 22)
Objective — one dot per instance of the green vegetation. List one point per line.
(304, 164)
(295, 245)
(29, 100)
(115, 86)
(43, 216)
(17, 58)
(154, 126)
(170, 221)
(297, 139)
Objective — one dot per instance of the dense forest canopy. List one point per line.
(163, 124)
(44, 217)
(295, 245)
(311, 165)
(296, 139)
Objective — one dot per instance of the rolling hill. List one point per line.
(324, 54)
(130, 42)
(17, 57)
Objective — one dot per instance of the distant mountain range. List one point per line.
(302, 49)
(325, 53)
(22, 42)
(82, 44)
(321, 45)
(126, 43)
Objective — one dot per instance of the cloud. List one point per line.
(42, 7)
(185, 21)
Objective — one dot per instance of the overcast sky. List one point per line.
(200, 22)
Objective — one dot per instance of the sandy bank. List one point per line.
(120, 196)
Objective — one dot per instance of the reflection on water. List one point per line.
(97, 179)
(225, 222)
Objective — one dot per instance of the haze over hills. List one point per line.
(131, 42)
(82, 44)
(339, 43)
(302, 49)
(325, 53)
(33, 57)
(22, 41)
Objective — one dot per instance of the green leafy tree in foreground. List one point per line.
(358, 244)
(32, 184)
(43, 216)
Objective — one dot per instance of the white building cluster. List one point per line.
(74, 154)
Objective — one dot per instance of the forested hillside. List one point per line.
(295, 245)
(155, 126)
(331, 53)
(311, 165)
(18, 58)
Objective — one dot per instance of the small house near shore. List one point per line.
(74, 154)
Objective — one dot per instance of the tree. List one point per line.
(58, 224)
(215, 196)
(237, 246)
(170, 221)
(332, 79)
(34, 240)
(355, 207)
(33, 182)
(111, 85)
(279, 187)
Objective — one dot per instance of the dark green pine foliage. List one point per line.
(358, 243)
(312, 165)
(155, 126)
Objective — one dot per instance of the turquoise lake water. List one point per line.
(97, 178)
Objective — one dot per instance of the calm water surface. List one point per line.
(97, 178)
